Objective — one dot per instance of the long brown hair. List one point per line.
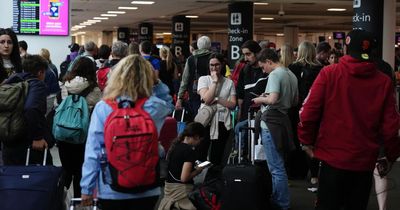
(191, 130)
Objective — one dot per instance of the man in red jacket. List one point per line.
(349, 112)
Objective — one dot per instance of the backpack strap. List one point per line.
(117, 105)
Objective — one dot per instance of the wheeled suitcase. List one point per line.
(31, 187)
(246, 185)
(75, 204)
(168, 133)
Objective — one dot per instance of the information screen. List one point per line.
(339, 35)
(41, 17)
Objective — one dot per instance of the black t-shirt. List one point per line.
(182, 153)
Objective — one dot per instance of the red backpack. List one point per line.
(131, 142)
(102, 77)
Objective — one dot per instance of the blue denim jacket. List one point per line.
(91, 170)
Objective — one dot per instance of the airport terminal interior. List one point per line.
(277, 22)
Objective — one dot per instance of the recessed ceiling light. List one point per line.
(336, 9)
(142, 2)
(131, 8)
(192, 16)
(280, 34)
(116, 12)
(100, 18)
(109, 15)
(261, 3)
(267, 18)
(93, 21)
(166, 33)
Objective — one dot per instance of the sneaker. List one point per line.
(313, 188)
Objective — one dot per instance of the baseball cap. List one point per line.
(360, 44)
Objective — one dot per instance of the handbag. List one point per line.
(207, 112)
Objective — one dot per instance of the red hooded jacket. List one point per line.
(349, 112)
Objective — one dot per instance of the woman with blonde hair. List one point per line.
(306, 68)
(287, 56)
(132, 80)
(168, 69)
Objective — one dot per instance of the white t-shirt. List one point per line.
(228, 89)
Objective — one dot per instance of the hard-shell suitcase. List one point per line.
(75, 205)
(168, 133)
(31, 187)
(247, 185)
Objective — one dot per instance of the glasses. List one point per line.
(9, 42)
(215, 64)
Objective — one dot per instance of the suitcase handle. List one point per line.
(78, 200)
(28, 154)
(182, 116)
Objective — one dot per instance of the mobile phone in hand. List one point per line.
(204, 164)
(382, 167)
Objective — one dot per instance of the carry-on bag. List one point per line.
(181, 124)
(75, 205)
(168, 133)
(246, 186)
(31, 187)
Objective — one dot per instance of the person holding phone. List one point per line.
(181, 159)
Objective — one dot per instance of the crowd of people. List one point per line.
(336, 111)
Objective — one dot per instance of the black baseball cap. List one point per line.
(360, 44)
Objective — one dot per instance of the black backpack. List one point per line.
(64, 68)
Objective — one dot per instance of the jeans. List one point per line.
(243, 133)
(280, 188)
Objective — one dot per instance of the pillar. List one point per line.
(291, 35)
(181, 35)
(145, 32)
(240, 21)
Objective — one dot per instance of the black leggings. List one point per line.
(129, 204)
(71, 157)
(216, 147)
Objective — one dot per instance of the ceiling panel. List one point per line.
(310, 16)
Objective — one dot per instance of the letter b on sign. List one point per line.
(235, 52)
(178, 51)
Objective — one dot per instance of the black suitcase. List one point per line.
(246, 185)
(31, 187)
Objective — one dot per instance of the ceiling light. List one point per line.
(127, 8)
(261, 3)
(192, 16)
(93, 21)
(267, 18)
(100, 18)
(142, 2)
(108, 15)
(116, 12)
(166, 33)
(280, 34)
(336, 9)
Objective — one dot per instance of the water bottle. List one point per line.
(104, 169)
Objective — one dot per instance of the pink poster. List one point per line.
(53, 17)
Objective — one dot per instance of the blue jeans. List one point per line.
(244, 134)
(280, 188)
